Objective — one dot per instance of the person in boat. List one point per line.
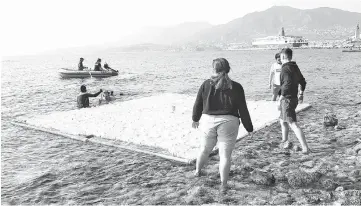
(98, 65)
(220, 102)
(81, 67)
(291, 78)
(274, 77)
(106, 66)
(83, 97)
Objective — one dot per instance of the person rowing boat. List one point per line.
(98, 66)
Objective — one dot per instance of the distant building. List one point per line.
(356, 37)
(355, 40)
(280, 41)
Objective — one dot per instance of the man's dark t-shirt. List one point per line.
(291, 77)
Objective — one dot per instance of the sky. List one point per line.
(29, 27)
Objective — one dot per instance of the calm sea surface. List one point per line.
(46, 168)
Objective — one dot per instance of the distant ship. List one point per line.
(354, 41)
(280, 41)
(357, 37)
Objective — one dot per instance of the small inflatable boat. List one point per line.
(71, 73)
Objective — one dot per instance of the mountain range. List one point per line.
(314, 24)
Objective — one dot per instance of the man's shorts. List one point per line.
(275, 89)
(288, 110)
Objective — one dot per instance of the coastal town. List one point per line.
(264, 43)
(283, 40)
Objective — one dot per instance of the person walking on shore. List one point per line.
(274, 77)
(291, 77)
(222, 102)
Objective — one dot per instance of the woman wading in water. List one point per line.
(222, 102)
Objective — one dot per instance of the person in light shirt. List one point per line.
(274, 77)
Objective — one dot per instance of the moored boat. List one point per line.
(71, 73)
(351, 50)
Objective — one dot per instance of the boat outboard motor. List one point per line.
(106, 66)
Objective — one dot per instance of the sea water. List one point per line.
(42, 168)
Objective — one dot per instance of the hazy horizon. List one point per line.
(41, 25)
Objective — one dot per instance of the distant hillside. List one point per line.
(167, 35)
(314, 24)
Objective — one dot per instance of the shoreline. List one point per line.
(12, 57)
(264, 49)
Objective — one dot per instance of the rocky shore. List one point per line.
(262, 171)
(265, 173)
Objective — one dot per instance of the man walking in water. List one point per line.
(291, 77)
(274, 77)
(83, 98)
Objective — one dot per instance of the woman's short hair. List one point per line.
(221, 65)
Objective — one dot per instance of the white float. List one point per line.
(158, 125)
